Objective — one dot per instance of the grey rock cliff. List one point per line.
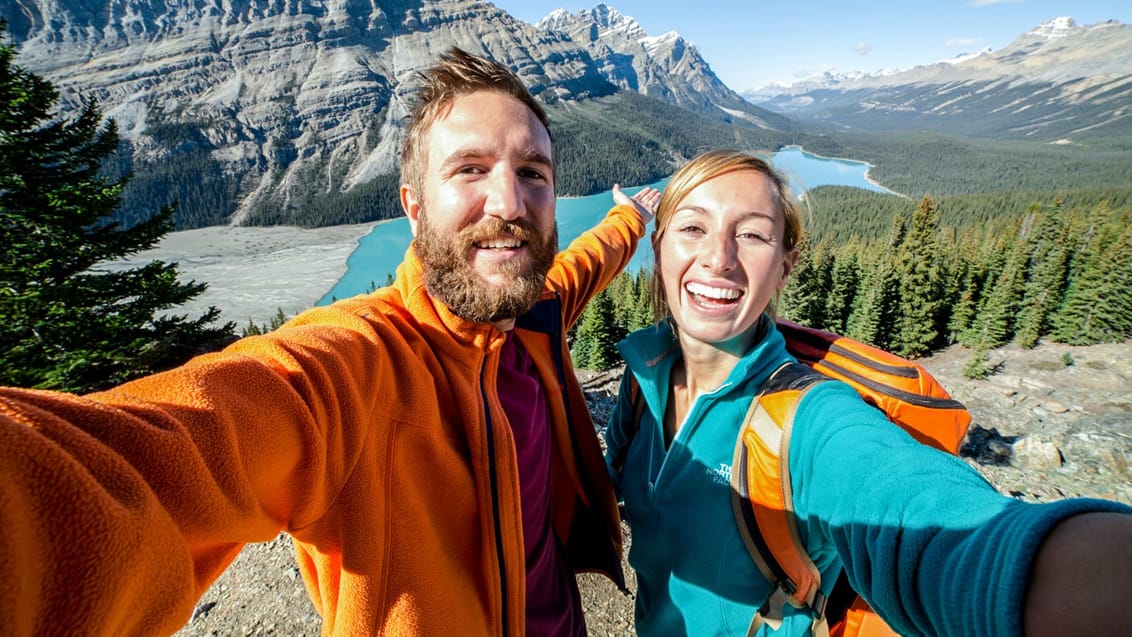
(290, 99)
(287, 95)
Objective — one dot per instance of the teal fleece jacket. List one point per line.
(922, 536)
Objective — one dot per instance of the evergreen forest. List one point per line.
(980, 270)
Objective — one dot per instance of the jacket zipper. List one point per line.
(493, 480)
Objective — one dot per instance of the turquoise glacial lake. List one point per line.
(380, 252)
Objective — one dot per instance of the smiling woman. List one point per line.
(725, 244)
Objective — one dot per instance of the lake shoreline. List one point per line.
(868, 167)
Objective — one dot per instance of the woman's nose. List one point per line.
(720, 253)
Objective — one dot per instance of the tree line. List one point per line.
(1048, 271)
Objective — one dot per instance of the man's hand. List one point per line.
(644, 201)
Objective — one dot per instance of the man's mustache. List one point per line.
(493, 227)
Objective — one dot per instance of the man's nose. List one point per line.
(504, 196)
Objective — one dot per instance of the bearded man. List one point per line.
(427, 446)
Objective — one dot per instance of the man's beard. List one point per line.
(450, 277)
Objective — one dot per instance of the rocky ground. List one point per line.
(1051, 423)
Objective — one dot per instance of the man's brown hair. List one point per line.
(456, 73)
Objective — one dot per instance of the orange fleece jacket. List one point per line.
(370, 430)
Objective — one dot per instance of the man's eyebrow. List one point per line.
(534, 156)
(464, 153)
(530, 155)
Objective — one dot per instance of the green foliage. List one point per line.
(844, 279)
(807, 291)
(66, 323)
(1045, 285)
(206, 193)
(1098, 302)
(374, 200)
(921, 293)
(1003, 171)
(277, 321)
(631, 139)
(595, 345)
(977, 367)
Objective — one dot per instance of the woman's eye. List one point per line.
(691, 229)
(754, 236)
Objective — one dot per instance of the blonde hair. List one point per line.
(692, 175)
(456, 73)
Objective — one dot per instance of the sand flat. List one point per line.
(252, 272)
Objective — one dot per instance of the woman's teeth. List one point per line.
(713, 293)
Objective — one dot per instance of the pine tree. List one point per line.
(805, 296)
(1098, 303)
(921, 290)
(965, 299)
(595, 347)
(843, 288)
(1045, 286)
(988, 265)
(995, 323)
(65, 323)
(642, 314)
(871, 319)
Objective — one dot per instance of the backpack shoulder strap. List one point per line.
(906, 392)
(762, 501)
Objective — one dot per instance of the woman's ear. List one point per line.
(788, 261)
(411, 205)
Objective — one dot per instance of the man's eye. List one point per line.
(531, 173)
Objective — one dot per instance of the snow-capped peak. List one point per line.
(1055, 28)
(553, 16)
(963, 57)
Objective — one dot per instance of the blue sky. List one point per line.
(749, 44)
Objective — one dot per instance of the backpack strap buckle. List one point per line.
(771, 613)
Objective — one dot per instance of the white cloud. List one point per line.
(987, 3)
(961, 42)
(863, 48)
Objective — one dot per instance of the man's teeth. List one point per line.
(499, 244)
(719, 294)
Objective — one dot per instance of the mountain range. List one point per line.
(260, 111)
(1058, 82)
(276, 102)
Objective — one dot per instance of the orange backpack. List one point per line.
(760, 476)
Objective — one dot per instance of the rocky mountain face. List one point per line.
(268, 101)
(1059, 81)
(284, 94)
(667, 67)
